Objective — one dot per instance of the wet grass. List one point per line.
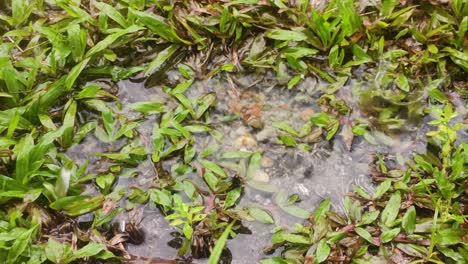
(383, 71)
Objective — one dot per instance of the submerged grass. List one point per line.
(413, 59)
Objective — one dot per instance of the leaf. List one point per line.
(111, 12)
(55, 251)
(77, 205)
(335, 237)
(20, 245)
(449, 236)
(105, 182)
(391, 210)
(219, 246)
(261, 215)
(438, 95)
(23, 159)
(187, 229)
(382, 189)
(236, 154)
(323, 208)
(110, 39)
(148, 108)
(158, 26)
(205, 102)
(213, 167)
(160, 59)
(257, 48)
(452, 254)
(298, 52)
(67, 172)
(323, 250)
(413, 250)
(360, 54)
(74, 73)
(69, 124)
(389, 235)
(293, 238)
(369, 217)
(274, 260)
(285, 127)
(289, 35)
(296, 211)
(287, 140)
(402, 82)
(254, 165)
(409, 220)
(364, 234)
(232, 197)
(387, 7)
(361, 191)
(21, 9)
(294, 80)
(90, 250)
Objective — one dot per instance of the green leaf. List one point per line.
(287, 140)
(274, 260)
(219, 246)
(21, 9)
(105, 182)
(69, 124)
(402, 82)
(298, 52)
(438, 95)
(285, 127)
(232, 197)
(453, 254)
(449, 236)
(294, 80)
(186, 229)
(323, 250)
(254, 165)
(261, 215)
(289, 35)
(90, 250)
(296, 211)
(20, 245)
(23, 158)
(369, 217)
(387, 7)
(148, 108)
(67, 173)
(364, 234)
(77, 205)
(158, 26)
(205, 102)
(160, 59)
(74, 73)
(361, 191)
(382, 189)
(413, 250)
(110, 39)
(55, 251)
(213, 167)
(390, 212)
(409, 220)
(323, 208)
(293, 238)
(389, 235)
(111, 12)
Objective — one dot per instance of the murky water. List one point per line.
(328, 170)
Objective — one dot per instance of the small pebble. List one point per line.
(267, 162)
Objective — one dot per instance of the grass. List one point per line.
(416, 62)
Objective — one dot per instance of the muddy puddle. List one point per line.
(245, 117)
